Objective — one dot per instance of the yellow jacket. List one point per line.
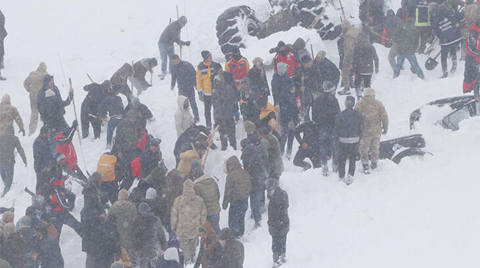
(269, 113)
(186, 160)
(204, 81)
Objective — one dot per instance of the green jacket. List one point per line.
(407, 36)
(8, 143)
(207, 189)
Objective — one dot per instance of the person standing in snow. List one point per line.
(407, 37)
(51, 106)
(258, 78)
(446, 26)
(184, 74)
(3, 34)
(285, 54)
(140, 69)
(112, 105)
(183, 117)
(204, 84)
(97, 93)
(272, 146)
(188, 214)
(125, 213)
(285, 99)
(149, 237)
(349, 36)
(49, 253)
(8, 143)
(365, 61)
(170, 35)
(348, 131)
(238, 187)
(210, 254)
(8, 114)
(224, 99)
(33, 83)
(325, 109)
(239, 67)
(43, 159)
(375, 120)
(278, 220)
(233, 254)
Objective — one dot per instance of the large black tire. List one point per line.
(408, 152)
(233, 24)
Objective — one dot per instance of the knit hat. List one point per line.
(306, 58)
(49, 93)
(171, 254)
(244, 143)
(369, 92)
(206, 54)
(328, 86)
(182, 20)
(123, 194)
(249, 127)
(151, 193)
(144, 208)
(321, 55)
(196, 170)
(349, 102)
(216, 66)
(299, 44)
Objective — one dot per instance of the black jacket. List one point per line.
(112, 105)
(311, 134)
(95, 96)
(171, 34)
(310, 80)
(41, 154)
(148, 161)
(259, 79)
(325, 109)
(255, 162)
(224, 97)
(278, 220)
(327, 71)
(348, 124)
(184, 75)
(50, 255)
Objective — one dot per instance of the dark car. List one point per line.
(397, 149)
(463, 107)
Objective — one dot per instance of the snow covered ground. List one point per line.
(420, 213)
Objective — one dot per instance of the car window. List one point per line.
(452, 120)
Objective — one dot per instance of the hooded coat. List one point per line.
(278, 220)
(188, 212)
(8, 143)
(350, 35)
(125, 213)
(275, 163)
(238, 185)
(234, 252)
(8, 114)
(206, 187)
(34, 82)
(365, 56)
(283, 96)
(375, 117)
(148, 235)
(183, 117)
(50, 254)
(211, 250)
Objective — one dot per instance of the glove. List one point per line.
(75, 124)
(70, 95)
(187, 43)
(22, 131)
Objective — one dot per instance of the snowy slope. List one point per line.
(421, 213)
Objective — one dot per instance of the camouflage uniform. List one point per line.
(33, 83)
(375, 119)
(8, 113)
(188, 213)
(350, 34)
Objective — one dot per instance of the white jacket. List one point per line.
(183, 117)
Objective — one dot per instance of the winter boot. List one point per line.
(341, 178)
(359, 92)
(344, 91)
(366, 169)
(454, 67)
(373, 165)
(445, 75)
(324, 170)
(349, 179)
(2, 78)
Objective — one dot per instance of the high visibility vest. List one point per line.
(106, 167)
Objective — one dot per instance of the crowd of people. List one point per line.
(171, 212)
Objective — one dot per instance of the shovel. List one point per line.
(431, 63)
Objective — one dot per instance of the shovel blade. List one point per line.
(430, 64)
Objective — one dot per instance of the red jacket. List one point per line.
(65, 147)
(290, 60)
(472, 43)
(239, 69)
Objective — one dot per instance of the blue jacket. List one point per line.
(283, 97)
(42, 155)
(184, 75)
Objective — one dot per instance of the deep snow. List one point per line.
(421, 213)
